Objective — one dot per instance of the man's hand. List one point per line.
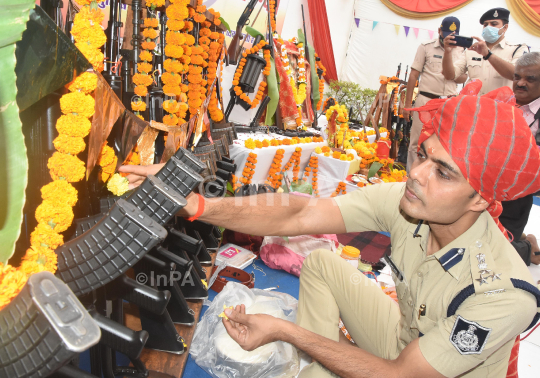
(480, 47)
(137, 173)
(449, 43)
(535, 259)
(252, 331)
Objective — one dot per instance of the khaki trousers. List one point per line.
(331, 288)
(416, 129)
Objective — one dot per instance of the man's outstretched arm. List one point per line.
(263, 214)
(252, 331)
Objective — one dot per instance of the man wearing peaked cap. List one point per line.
(491, 58)
(427, 67)
(463, 293)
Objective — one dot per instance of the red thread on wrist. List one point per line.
(200, 209)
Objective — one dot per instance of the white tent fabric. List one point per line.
(378, 51)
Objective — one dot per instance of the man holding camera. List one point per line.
(491, 60)
(428, 63)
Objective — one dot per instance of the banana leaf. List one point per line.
(13, 160)
(313, 69)
(254, 33)
(375, 166)
(273, 92)
(225, 24)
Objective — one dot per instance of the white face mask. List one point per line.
(491, 34)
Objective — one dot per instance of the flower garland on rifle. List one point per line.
(340, 188)
(236, 80)
(216, 50)
(313, 167)
(396, 99)
(177, 12)
(321, 80)
(300, 93)
(294, 161)
(249, 169)
(274, 175)
(55, 214)
(88, 33)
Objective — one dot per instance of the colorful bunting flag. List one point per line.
(431, 32)
(406, 30)
(397, 28)
(357, 20)
(416, 30)
(374, 24)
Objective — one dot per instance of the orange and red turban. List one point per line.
(489, 140)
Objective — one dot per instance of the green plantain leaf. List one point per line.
(13, 160)
(225, 24)
(375, 166)
(254, 33)
(273, 92)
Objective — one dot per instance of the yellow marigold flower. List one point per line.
(175, 25)
(86, 83)
(174, 51)
(94, 56)
(173, 66)
(69, 145)
(171, 106)
(250, 143)
(145, 56)
(44, 235)
(11, 285)
(44, 257)
(118, 185)
(110, 168)
(318, 150)
(73, 125)
(57, 215)
(141, 90)
(155, 3)
(175, 38)
(170, 119)
(69, 167)
(78, 103)
(142, 79)
(60, 191)
(138, 106)
(151, 22)
(150, 33)
(106, 155)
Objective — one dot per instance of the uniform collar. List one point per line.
(532, 106)
(465, 240)
(438, 43)
(502, 43)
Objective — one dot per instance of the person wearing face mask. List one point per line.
(428, 65)
(492, 59)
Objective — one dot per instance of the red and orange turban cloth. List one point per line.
(489, 140)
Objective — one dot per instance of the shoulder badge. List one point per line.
(469, 337)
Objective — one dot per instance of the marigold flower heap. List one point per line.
(88, 34)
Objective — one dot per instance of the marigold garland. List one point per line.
(274, 174)
(294, 161)
(88, 34)
(342, 187)
(236, 80)
(252, 144)
(288, 70)
(273, 14)
(313, 167)
(249, 169)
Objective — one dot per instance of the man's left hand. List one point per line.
(480, 47)
(252, 331)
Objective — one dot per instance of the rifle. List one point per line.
(307, 59)
(406, 73)
(398, 71)
(242, 21)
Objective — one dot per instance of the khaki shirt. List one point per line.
(428, 61)
(504, 313)
(474, 64)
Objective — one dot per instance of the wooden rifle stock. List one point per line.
(242, 21)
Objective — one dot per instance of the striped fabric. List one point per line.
(490, 141)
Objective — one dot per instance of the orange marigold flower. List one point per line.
(145, 56)
(144, 67)
(44, 258)
(106, 156)
(175, 38)
(171, 79)
(86, 83)
(173, 66)
(138, 106)
(44, 236)
(141, 90)
(175, 25)
(170, 119)
(150, 33)
(151, 22)
(142, 79)
(171, 106)
(172, 90)
(177, 12)
(148, 45)
(77, 102)
(73, 125)
(60, 191)
(57, 215)
(69, 145)
(12, 283)
(174, 51)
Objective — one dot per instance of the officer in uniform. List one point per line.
(492, 59)
(463, 292)
(428, 64)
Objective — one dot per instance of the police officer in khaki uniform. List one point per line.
(428, 66)
(492, 59)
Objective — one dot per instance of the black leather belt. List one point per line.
(432, 96)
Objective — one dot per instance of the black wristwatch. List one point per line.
(488, 55)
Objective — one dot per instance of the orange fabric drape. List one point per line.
(527, 14)
(419, 9)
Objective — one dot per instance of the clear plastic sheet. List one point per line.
(221, 357)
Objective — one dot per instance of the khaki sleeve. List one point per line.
(372, 208)
(523, 49)
(420, 58)
(501, 317)
(460, 65)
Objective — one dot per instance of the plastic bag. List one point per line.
(220, 356)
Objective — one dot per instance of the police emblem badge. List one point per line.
(496, 14)
(469, 337)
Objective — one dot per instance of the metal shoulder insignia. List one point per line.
(469, 337)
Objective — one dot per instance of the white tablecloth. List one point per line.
(335, 168)
(265, 156)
